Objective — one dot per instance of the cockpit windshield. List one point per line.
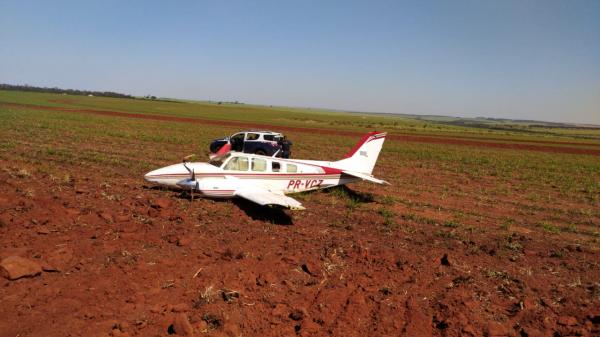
(219, 160)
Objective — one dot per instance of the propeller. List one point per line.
(192, 178)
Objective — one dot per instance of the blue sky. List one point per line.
(516, 59)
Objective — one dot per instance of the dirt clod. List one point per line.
(202, 326)
(444, 260)
(229, 295)
(310, 268)
(43, 230)
(181, 307)
(106, 217)
(162, 203)
(184, 241)
(15, 267)
(280, 310)
(48, 267)
(496, 329)
(266, 279)
(297, 314)
(213, 321)
(567, 320)
(385, 291)
(181, 326)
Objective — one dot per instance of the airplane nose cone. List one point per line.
(150, 176)
(168, 175)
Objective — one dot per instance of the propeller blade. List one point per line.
(192, 175)
(193, 187)
(185, 160)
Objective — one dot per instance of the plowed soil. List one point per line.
(133, 260)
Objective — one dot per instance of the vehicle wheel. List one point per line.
(260, 152)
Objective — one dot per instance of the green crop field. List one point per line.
(299, 117)
(503, 220)
(528, 187)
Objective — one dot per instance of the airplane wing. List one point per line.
(366, 177)
(264, 197)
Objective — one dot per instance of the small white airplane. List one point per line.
(266, 180)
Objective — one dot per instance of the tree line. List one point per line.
(57, 90)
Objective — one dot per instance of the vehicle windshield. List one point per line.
(218, 161)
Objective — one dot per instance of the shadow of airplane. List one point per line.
(345, 191)
(273, 215)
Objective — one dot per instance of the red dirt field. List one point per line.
(463, 243)
(124, 259)
(400, 137)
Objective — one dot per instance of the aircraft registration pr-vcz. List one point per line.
(309, 184)
(266, 180)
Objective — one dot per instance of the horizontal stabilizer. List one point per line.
(265, 198)
(366, 177)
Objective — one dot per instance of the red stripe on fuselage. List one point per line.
(258, 175)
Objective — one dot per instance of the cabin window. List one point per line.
(269, 137)
(275, 166)
(259, 164)
(252, 136)
(237, 164)
(291, 168)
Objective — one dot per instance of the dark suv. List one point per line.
(265, 143)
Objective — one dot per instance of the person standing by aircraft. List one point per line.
(286, 146)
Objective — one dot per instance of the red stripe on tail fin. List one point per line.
(360, 143)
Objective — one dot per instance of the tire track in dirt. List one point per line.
(398, 137)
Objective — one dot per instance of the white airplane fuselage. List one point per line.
(266, 180)
(218, 182)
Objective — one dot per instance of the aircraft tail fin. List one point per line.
(363, 156)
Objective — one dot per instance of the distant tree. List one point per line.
(56, 90)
